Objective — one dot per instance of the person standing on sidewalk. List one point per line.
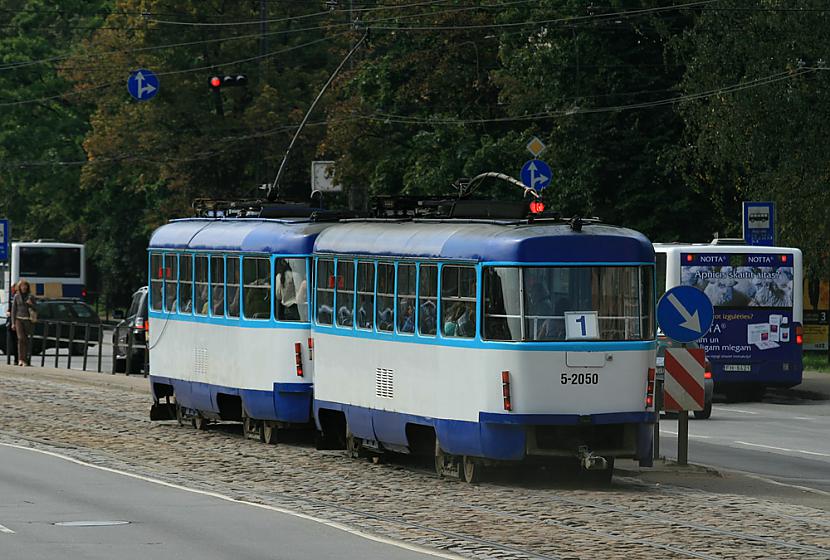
(23, 318)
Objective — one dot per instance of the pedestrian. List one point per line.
(24, 315)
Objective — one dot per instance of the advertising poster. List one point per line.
(816, 310)
(753, 299)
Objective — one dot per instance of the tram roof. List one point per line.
(250, 235)
(490, 242)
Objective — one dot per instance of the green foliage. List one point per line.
(440, 91)
(766, 142)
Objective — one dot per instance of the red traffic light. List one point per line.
(537, 207)
(217, 82)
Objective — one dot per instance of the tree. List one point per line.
(147, 161)
(759, 132)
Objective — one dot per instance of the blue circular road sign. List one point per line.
(536, 174)
(685, 313)
(143, 84)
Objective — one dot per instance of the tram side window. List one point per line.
(201, 285)
(185, 283)
(171, 278)
(233, 286)
(344, 293)
(386, 297)
(501, 306)
(427, 299)
(364, 316)
(291, 290)
(406, 297)
(256, 280)
(325, 291)
(217, 286)
(156, 281)
(458, 301)
(647, 302)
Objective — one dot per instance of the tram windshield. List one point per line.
(568, 303)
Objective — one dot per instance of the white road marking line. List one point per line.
(691, 436)
(738, 410)
(4, 529)
(783, 449)
(803, 418)
(332, 524)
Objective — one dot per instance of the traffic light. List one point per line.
(218, 82)
(537, 207)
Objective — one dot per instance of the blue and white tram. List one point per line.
(229, 328)
(486, 342)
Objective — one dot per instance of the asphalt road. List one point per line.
(784, 438)
(90, 513)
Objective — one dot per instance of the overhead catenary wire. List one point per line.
(382, 118)
(170, 73)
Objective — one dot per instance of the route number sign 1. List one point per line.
(581, 325)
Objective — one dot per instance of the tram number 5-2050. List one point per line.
(580, 378)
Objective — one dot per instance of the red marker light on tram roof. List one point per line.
(689, 258)
(783, 258)
(537, 207)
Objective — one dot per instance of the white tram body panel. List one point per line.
(491, 394)
(228, 357)
(458, 383)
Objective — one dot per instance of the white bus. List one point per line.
(756, 336)
(54, 270)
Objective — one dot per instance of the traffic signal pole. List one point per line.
(273, 190)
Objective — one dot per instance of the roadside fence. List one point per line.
(84, 343)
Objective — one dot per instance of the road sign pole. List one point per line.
(683, 438)
(658, 390)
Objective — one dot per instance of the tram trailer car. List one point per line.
(544, 350)
(226, 349)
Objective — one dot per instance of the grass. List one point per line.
(816, 361)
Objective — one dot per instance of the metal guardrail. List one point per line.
(58, 334)
(78, 339)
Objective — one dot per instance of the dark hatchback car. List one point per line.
(129, 340)
(64, 318)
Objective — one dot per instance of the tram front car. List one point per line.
(559, 362)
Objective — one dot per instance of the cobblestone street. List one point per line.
(104, 420)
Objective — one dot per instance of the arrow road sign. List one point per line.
(143, 84)
(536, 174)
(685, 313)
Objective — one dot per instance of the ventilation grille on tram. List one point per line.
(200, 361)
(385, 383)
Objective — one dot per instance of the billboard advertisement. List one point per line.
(753, 298)
(816, 311)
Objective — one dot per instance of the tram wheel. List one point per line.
(199, 422)
(179, 414)
(354, 447)
(249, 428)
(268, 433)
(446, 464)
(470, 470)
